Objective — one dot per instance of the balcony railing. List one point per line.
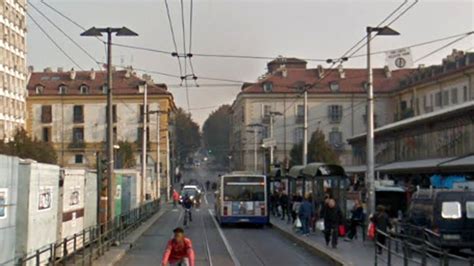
(78, 144)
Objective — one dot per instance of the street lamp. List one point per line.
(370, 175)
(95, 32)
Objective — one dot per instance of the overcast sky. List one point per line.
(307, 29)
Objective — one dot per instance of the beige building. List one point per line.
(12, 67)
(68, 109)
(436, 87)
(336, 105)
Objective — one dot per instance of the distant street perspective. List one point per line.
(236, 133)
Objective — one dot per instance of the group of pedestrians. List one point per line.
(280, 205)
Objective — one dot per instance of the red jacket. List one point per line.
(175, 196)
(175, 252)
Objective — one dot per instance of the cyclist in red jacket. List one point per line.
(179, 251)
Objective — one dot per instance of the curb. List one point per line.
(319, 250)
(115, 254)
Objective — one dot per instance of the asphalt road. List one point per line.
(245, 246)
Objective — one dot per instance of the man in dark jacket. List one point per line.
(284, 201)
(332, 219)
(305, 213)
(382, 223)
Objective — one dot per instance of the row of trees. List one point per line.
(319, 150)
(24, 146)
(188, 136)
(216, 134)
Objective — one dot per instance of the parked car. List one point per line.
(447, 215)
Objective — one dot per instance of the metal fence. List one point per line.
(411, 245)
(92, 242)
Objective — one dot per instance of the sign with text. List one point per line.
(399, 59)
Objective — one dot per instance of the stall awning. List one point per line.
(296, 171)
(413, 166)
(323, 170)
(467, 161)
(356, 169)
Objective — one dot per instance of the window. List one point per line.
(78, 114)
(104, 89)
(299, 132)
(39, 89)
(464, 92)
(451, 210)
(140, 134)
(267, 86)
(300, 113)
(445, 98)
(470, 209)
(46, 134)
(334, 86)
(335, 113)
(141, 114)
(403, 105)
(454, 96)
(335, 137)
(84, 89)
(79, 159)
(62, 89)
(438, 99)
(266, 110)
(46, 114)
(78, 135)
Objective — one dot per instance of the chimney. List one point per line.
(148, 79)
(92, 74)
(31, 69)
(48, 70)
(284, 73)
(320, 71)
(342, 74)
(60, 70)
(421, 66)
(128, 72)
(387, 72)
(72, 74)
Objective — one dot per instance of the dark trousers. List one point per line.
(353, 229)
(305, 225)
(284, 211)
(331, 235)
(380, 241)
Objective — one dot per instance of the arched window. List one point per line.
(84, 89)
(62, 89)
(39, 89)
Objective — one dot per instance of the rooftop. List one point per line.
(125, 82)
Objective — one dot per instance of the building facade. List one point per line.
(68, 109)
(436, 133)
(336, 106)
(13, 69)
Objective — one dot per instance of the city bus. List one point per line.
(242, 198)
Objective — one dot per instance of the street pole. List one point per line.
(158, 159)
(370, 160)
(144, 131)
(271, 136)
(168, 168)
(305, 128)
(255, 150)
(110, 130)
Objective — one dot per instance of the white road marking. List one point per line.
(207, 241)
(224, 239)
(205, 199)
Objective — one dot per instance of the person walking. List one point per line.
(284, 202)
(382, 223)
(357, 218)
(305, 213)
(295, 208)
(175, 198)
(179, 250)
(332, 219)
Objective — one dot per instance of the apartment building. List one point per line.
(13, 71)
(336, 106)
(68, 109)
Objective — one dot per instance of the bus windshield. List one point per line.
(244, 189)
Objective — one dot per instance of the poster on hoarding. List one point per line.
(3, 203)
(45, 198)
(75, 197)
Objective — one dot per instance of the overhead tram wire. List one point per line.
(53, 41)
(173, 37)
(440, 48)
(64, 33)
(185, 77)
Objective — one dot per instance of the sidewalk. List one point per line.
(356, 252)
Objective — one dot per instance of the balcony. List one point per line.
(77, 145)
(299, 119)
(266, 119)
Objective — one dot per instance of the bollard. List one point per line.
(389, 251)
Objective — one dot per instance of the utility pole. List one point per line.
(305, 128)
(95, 32)
(158, 148)
(370, 174)
(255, 151)
(144, 140)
